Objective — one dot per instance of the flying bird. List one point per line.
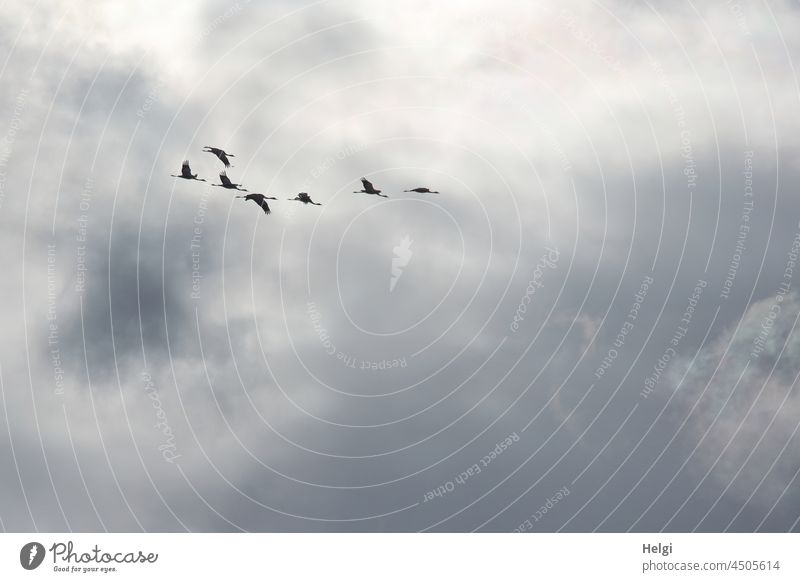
(369, 189)
(422, 190)
(226, 183)
(186, 173)
(220, 153)
(305, 199)
(259, 199)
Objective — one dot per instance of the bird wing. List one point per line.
(304, 197)
(186, 171)
(223, 177)
(367, 184)
(263, 204)
(224, 159)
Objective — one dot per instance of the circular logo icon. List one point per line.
(31, 555)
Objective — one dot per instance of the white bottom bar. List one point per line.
(401, 557)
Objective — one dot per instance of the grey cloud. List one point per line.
(276, 434)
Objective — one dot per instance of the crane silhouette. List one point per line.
(259, 199)
(186, 173)
(305, 199)
(422, 190)
(220, 153)
(369, 189)
(226, 183)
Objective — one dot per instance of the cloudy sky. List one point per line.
(591, 327)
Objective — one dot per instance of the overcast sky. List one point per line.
(591, 327)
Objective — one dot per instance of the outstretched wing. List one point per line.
(304, 197)
(223, 158)
(223, 177)
(264, 206)
(367, 184)
(186, 171)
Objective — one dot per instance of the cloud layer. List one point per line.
(173, 359)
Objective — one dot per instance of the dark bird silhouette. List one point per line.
(369, 189)
(259, 199)
(305, 199)
(422, 190)
(220, 153)
(226, 183)
(186, 173)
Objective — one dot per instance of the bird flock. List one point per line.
(261, 199)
